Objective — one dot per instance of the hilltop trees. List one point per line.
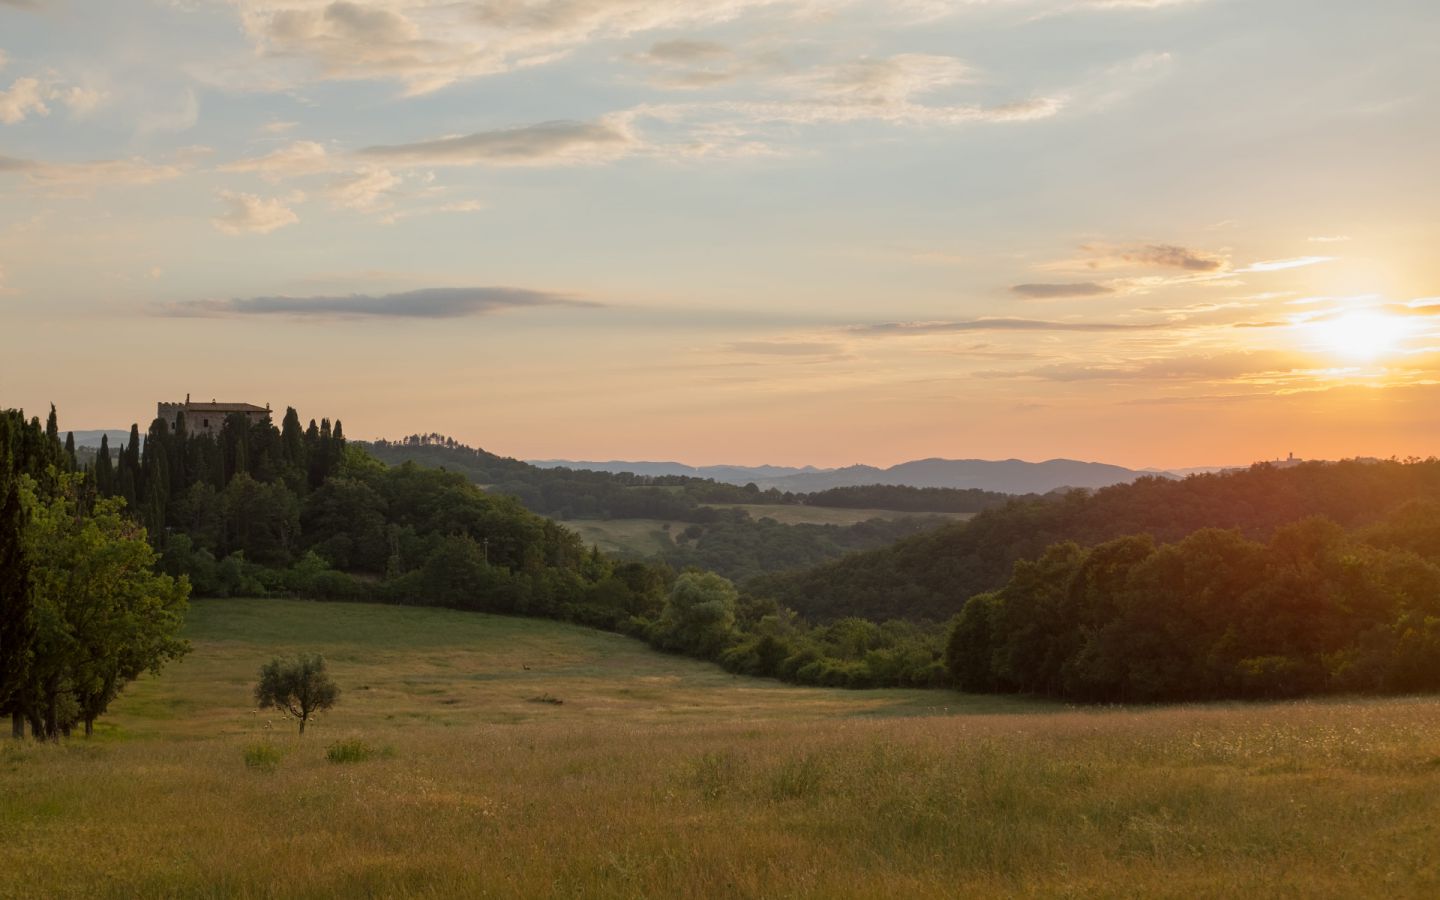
(1214, 615)
(931, 576)
(297, 685)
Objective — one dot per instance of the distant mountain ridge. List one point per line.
(1011, 476)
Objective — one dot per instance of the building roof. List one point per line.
(223, 407)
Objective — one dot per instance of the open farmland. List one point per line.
(660, 776)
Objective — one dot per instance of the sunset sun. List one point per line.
(1362, 335)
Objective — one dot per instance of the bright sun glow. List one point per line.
(1360, 335)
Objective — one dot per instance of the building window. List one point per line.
(204, 423)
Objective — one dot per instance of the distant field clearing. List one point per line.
(825, 515)
(522, 758)
(642, 537)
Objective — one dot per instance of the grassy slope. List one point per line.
(643, 537)
(647, 537)
(666, 777)
(826, 515)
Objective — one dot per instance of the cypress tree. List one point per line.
(314, 454)
(337, 448)
(52, 428)
(292, 439)
(156, 481)
(70, 462)
(129, 480)
(104, 468)
(180, 474)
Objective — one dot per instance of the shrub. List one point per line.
(351, 751)
(263, 756)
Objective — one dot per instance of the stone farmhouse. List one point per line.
(206, 418)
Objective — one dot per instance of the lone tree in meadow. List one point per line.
(298, 686)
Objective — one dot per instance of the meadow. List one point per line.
(646, 537)
(800, 514)
(659, 776)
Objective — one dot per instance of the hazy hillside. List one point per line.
(1009, 476)
(930, 576)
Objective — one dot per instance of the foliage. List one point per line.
(298, 686)
(740, 548)
(102, 616)
(699, 616)
(1214, 615)
(262, 756)
(930, 576)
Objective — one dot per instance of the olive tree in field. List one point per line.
(298, 686)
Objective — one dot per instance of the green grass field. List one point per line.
(663, 777)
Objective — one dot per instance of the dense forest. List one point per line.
(929, 577)
(1313, 609)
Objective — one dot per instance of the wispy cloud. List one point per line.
(999, 324)
(1276, 265)
(547, 143)
(297, 159)
(428, 44)
(1142, 256)
(427, 303)
(249, 214)
(1171, 256)
(1218, 367)
(25, 97)
(1329, 239)
(1049, 291)
(786, 348)
(88, 175)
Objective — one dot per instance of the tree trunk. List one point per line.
(302, 724)
(89, 726)
(17, 725)
(52, 715)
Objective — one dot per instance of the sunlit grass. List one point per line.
(665, 777)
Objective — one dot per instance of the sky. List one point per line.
(1146, 232)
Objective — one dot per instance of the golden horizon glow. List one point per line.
(1363, 335)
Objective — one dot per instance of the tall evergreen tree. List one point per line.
(292, 439)
(70, 462)
(104, 469)
(156, 491)
(180, 474)
(129, 482)
(52, 428)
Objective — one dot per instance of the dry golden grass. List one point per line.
(662, 777)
